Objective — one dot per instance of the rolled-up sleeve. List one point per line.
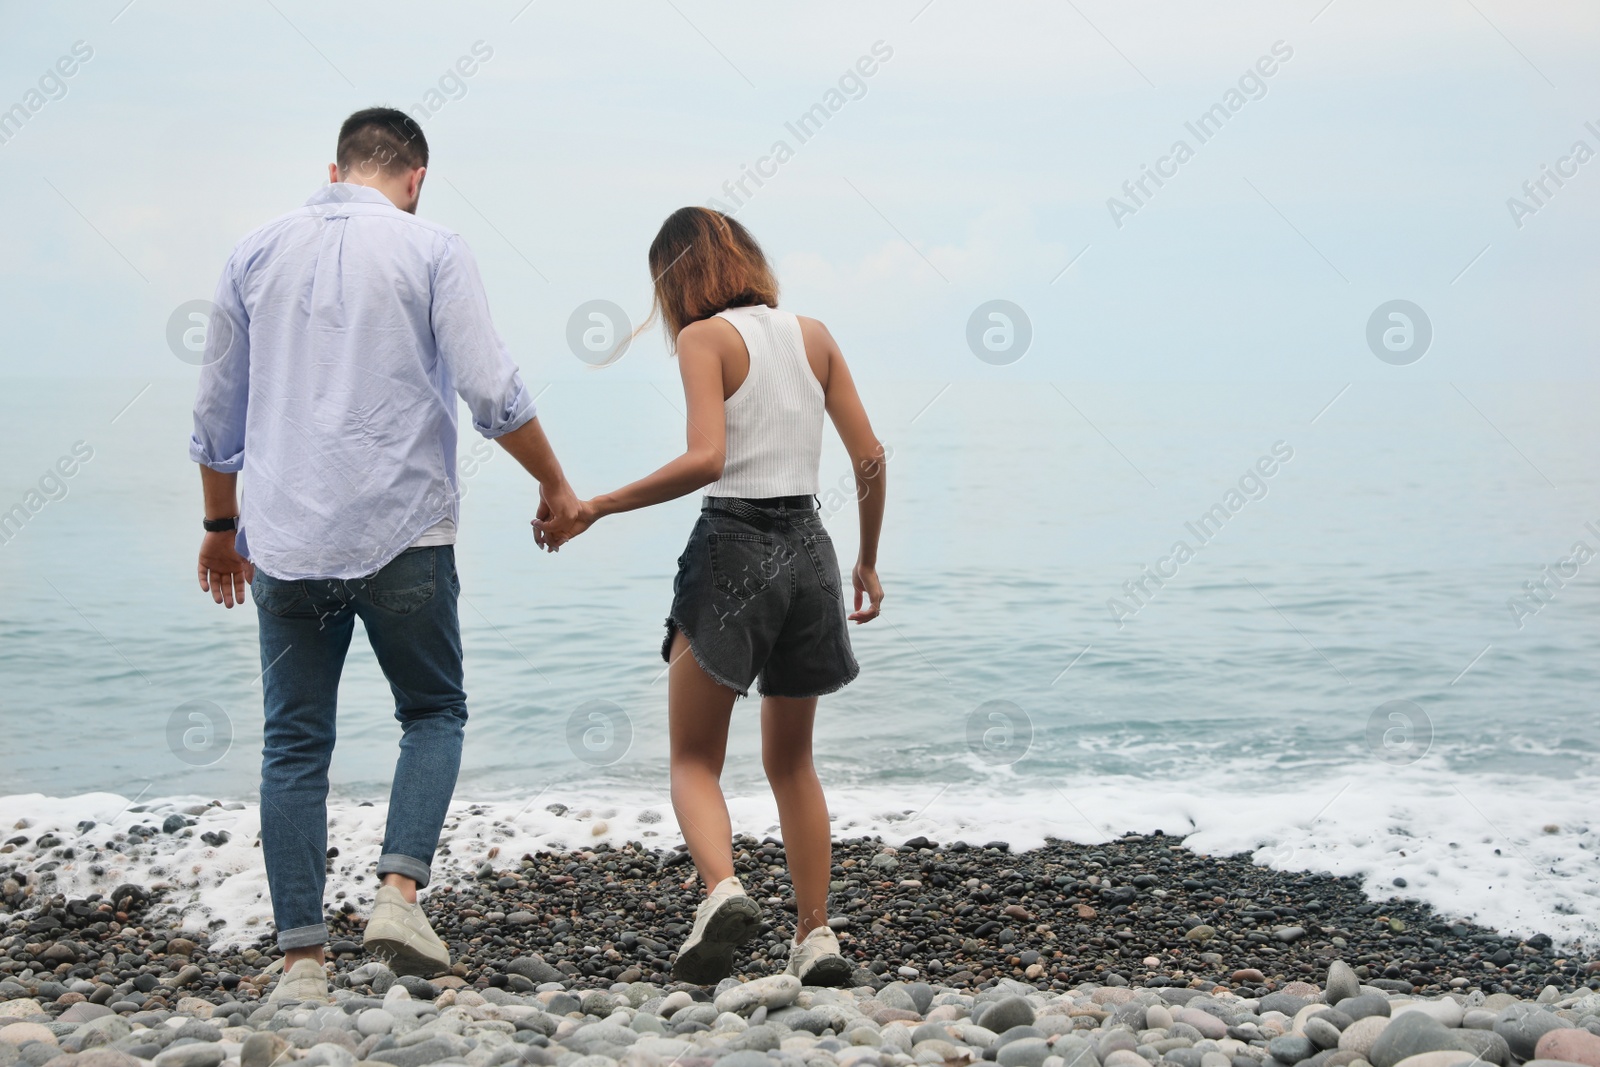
(483, 372)
(222, 400)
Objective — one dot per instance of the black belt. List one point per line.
(760, 508)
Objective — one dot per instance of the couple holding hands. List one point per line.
(342, 335)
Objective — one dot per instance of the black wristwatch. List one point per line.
(220, 525)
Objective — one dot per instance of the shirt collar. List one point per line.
(336, 193)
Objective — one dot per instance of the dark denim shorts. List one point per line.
(758, 594)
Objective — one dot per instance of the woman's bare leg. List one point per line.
(802, 809)
(698, 709)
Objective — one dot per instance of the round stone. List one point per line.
(1002, 1015)
(1359, 1035)
(1342, 983)
(1574, 1046)
(1291, 1048)
(1322, 1033)
(1025, 1052)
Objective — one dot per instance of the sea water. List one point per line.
(1378, 659)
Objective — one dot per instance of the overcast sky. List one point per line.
(977, 161)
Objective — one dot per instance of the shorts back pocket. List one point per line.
(737, 564)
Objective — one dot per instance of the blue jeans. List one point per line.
(409, 611)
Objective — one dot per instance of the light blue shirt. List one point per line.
(343, 332)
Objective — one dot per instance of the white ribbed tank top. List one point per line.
(774, 419)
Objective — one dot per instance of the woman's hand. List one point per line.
(866, 582)
(551, 529)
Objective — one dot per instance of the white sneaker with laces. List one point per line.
(400, 935)
(306, 980)
(722, 922)
(816, 960)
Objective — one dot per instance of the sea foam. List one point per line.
(1504, 854)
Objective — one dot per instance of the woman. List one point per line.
(757, 594)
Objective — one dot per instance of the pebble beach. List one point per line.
(1132, 952)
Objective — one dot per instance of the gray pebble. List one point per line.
(812, 1022)
(261, 1049)
(328, 1055)
(1407, 1035)
(1292, 1048)
(1017, 1033)
(1023, 1052)
(1076, 1052)
(762, 1037)
(564, 1004)
(705, 1014)
(200, 1031)
(1322, 1033)
(1486, 1045)
(1359, 1007)
(374, 1021)
(745, 1058)
(432, 1050)
(597, 1002)
(1284, 1002)
(1522, 1025)
(1342, 983)
(1002, 1015)
(200, 1054)
(1334, 1018)
(419, 988)
(895, 995)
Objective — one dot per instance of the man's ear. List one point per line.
(415, 189)
(333, 173)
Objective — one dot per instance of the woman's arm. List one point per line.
(866, 456)
(700, 361)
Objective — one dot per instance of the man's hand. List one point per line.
(223, 572)
(866, 582)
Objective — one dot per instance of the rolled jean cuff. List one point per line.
(303, 937)
(405, 866)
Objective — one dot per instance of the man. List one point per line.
(343, 333)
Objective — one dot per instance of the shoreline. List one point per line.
(204, 851)
(1142, 910)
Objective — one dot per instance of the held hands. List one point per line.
(561, 517)
(865, 579)
(223, 572)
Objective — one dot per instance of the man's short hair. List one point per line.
(381, 139)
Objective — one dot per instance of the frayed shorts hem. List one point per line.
(675, 627)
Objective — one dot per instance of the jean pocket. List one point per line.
(820, 548)
(738, 563)
(406, 583)
(280, 598)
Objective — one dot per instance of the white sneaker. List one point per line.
(722, 922)
(400, 935)
(306, 980)
(816, 960)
